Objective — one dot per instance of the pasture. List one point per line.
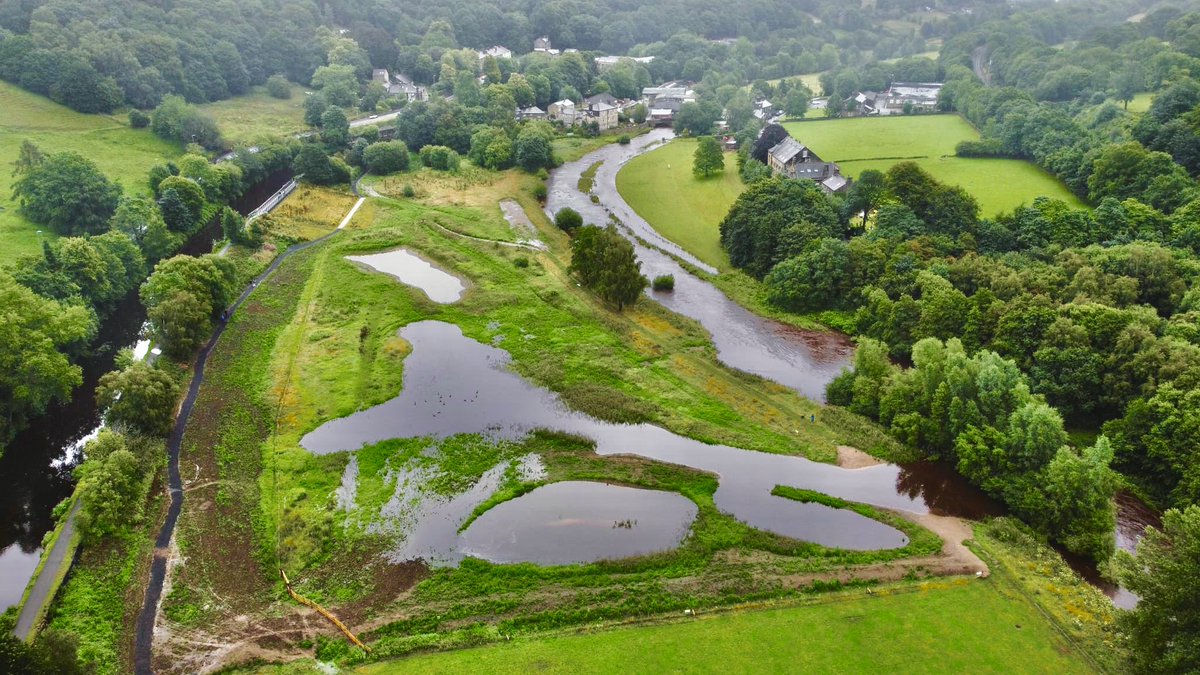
(122, 153)
(955, 626)
(258, 115)
(660, 186)
(862, 143)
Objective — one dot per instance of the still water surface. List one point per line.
(456, 385)
(413, 270)
(579, 522)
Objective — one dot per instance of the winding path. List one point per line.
(147, 616)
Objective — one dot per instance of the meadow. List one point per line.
(258, 115)
(122, 153)
(956, 626)
(861, 143)
(662, 189)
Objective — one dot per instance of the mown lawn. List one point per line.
(999, 185)
(258, 115)
(861, 143)
(952, 627)
(122, 153)
(841, 140)
(660, 186)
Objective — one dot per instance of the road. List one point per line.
(378, 119)
(980, 61)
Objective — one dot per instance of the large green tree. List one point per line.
(1164, 628)
(604, 262)
(67, 193)
(386, 157)
(708, 158)
(752, 230)
(35, 336)
(139, 399)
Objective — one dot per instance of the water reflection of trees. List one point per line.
(944, 491)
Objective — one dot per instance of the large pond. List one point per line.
(578, 522)
(455, 385)
(800, 359)
(413, 270)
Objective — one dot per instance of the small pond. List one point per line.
(409, 268)
(580, 522)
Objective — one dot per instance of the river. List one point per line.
(35, 471)
(802, 360)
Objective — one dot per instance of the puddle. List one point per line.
(580, 522)
(455, 385)
(348, 490)
(521, 224)
(411, 269)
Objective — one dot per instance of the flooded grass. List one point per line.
(319, 342)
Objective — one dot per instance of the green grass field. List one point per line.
(122, 153)
(1141, 102)
(257, 115)
(955, 628)
(862, 143)
(685, 209)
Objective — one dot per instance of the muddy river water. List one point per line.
(802, 360)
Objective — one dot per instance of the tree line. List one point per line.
(1092, 312)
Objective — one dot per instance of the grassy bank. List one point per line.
(122, 153)
(966, 626)
(661, 187)
(862, 143)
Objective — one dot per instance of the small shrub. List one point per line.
(138, 119)
(665, 282)
(568, 219)
(595, 199)
(521, 262)
(539, 192)
(542, 174)
(279, 87)
(624, 139)
(409, 192)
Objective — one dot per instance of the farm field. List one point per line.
(955, 627)
(862, 143)
(685, 209)
(248, 118)
(122, 153)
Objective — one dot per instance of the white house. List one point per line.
(496, 52)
